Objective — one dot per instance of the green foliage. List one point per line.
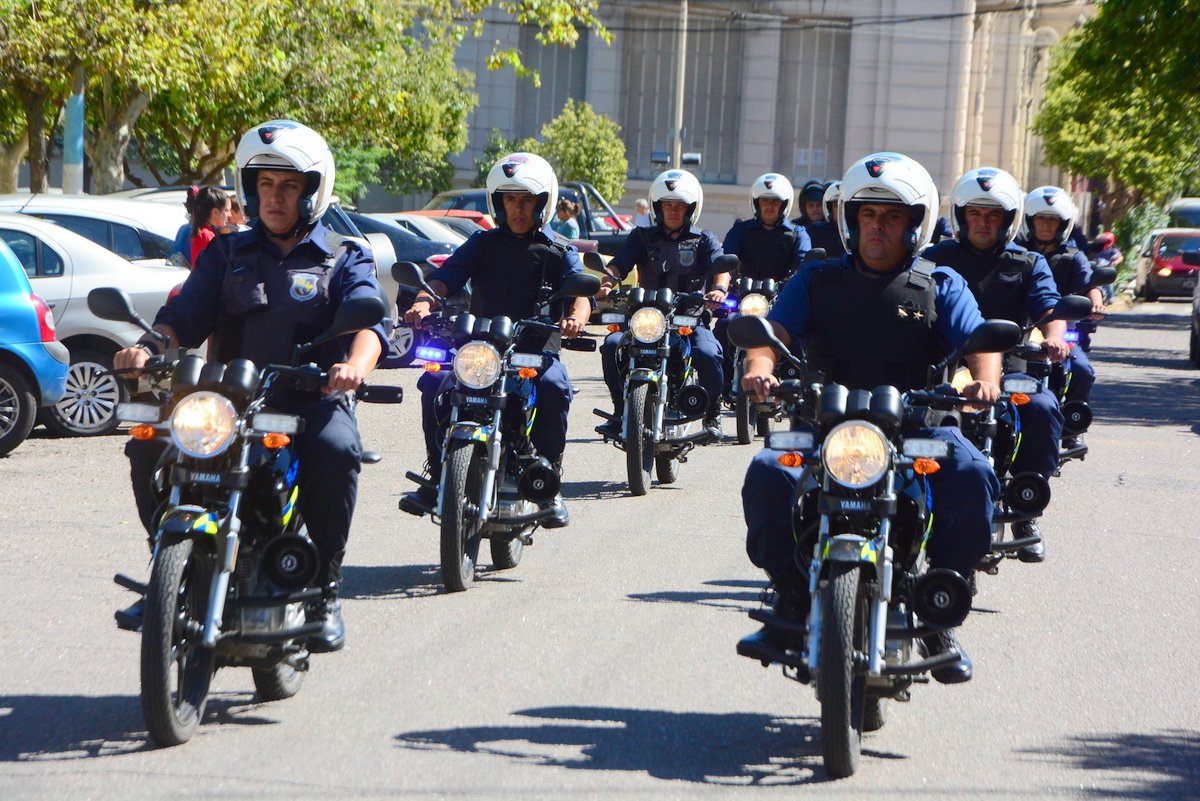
(356, 169)
(1131, 230)
(585, 146)
(496, 147)
(1123, 98)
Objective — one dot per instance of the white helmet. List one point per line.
(888, 178)
(772, 185)
(987, 186)
(830, 198)
(291, 147)
(678, 185)
(522, 172)
(1055, 202)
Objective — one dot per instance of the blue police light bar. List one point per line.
(431, 354)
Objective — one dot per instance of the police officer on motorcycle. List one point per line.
(1009, 283)
(882, 315)
(1049, 219)
(823, 233)
(258, 293)
(673, 253)
(768, 246)
(507, 267)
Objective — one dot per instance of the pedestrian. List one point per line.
(564, 222)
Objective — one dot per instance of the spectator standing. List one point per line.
(209, 214)
(641, 213)
(564, 222)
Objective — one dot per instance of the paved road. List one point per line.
(603, 666)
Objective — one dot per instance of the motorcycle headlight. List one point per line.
(477, 365)
(648, 324)
(203, 424)
(754, 305)
(856, 454)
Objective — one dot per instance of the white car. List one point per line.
(424, 227)
(63, 268)
(137, 231)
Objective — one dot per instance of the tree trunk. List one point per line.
(107, 148)
(39, 151)
(11, 156)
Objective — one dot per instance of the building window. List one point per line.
(810, 124)
(563, 73)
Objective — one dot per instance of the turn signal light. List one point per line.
(527, 372)
(433, 367)
(613, 328)
(1019, 398)
(791, 459)
(926, 467)
(685, 331)
(274, 442)
(142, 432)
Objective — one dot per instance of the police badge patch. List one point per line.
(304, 286)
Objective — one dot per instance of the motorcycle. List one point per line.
(1077, 414)
(664, 402)
(233, 566)
(863, 507)
(494, 485)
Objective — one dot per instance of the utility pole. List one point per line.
(677, 152)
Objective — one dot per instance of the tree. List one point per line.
(496, 147)
(1122, 107)
(582, 145)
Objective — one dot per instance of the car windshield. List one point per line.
(1185, 217)
(1174, 246)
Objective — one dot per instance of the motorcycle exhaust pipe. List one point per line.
(1027, 493)
(1077, 417)
(539, 482)
(291, 561)
(692, 402)
(941, 597)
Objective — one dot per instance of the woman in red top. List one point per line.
(209, 213)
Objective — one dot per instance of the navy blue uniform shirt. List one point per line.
(734, 242)
(662, 260)
(1080, 279)
(1040, 290)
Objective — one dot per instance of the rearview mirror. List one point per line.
(995, 336)
(354, 314)
(752, 332)
(816, 254)
(578, 285)
(111, 303)
(1103, 276)
(727, 263)
(1071, 308)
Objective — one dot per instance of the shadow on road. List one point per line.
(1154, 766)
(752, 595)
(732, 749)
(594, 490)
(1142, 320)
(65, 727)
(1143, 402)
(389, 583)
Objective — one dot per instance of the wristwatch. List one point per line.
(150, 348)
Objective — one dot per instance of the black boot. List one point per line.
(561, 517)
(1030, 553)
(419, 502)
(328, 611)
(611, 428)
(130, 618)
(943, 642)
(791, 606)
(712, 426)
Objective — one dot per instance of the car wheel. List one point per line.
(1194, 345)
(89, 406)
(18, 408)
(1149, 294)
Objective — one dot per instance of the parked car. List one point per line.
(1192, 259)
(1160, 270)
(136, 231)
(406, 246)
(33, 363)
(1184, 213)
(459, 219)
(424, 227)
(63, 267)
(597, 220)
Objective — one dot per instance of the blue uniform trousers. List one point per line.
(549, 434)
(706, 357)
(962, 492)
(330, 454)
(1041, 432)
(728, 353)
(1083, 376)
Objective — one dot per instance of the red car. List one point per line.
(1160, 269)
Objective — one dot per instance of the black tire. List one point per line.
(89, 407)
(18, 408)
(277, 683)
(874, 713)
(404, 342)
(176, 667)
(461, 530)
(506, 554)
(841, 688)
(639, 450)
(1194, 346)
(666, 469)
(763, 425)
(1149, 294)
(741, 411)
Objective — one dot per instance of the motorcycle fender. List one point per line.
(472, 432)
(643, 375)
(849, 548)
(181, 523)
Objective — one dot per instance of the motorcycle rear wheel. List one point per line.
(277, 683)
(841, 688)
(461, 531)
(506, 554)
(176, 667)
(639, 450)
(666, 468)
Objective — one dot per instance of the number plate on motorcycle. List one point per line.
(271, 423)
(790, 440)
(526, 360)
(926, 448)
(138, 413)
(612, 318)
(1025, 385)
(686, 319)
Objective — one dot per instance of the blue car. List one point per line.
(33, 363)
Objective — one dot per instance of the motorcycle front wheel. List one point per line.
(840, 686)
(461, 529)
(742, 411)
(639, 448)
(176, 666)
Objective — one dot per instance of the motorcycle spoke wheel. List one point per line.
(461, 530)
(176, 666)
(841, 688)
(639, 448)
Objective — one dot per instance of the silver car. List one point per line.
(63, 267)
